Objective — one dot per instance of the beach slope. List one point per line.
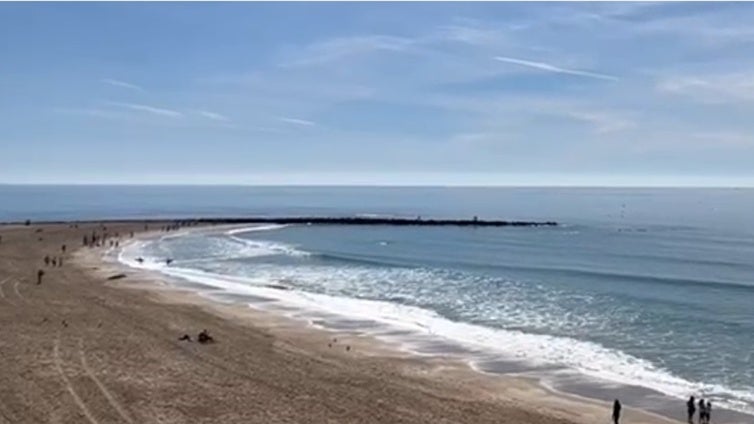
(79, 348)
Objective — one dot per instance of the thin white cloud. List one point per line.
(715, 88)
(705, 29)
(92, 112)
(122, 84)
(470, 33)
(296, 121)
(484, 139)
(725, 139)
(552, 68)
(213, 116)
(149, 109)
(603, 123)
(338, 48)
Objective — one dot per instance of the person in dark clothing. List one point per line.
(691, 409)
(616, 411)
(40, 273)
(709, 412)
(702, 411)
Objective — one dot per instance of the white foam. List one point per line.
(584, 357)
(269, 227)
(267, 248)
(263, 247)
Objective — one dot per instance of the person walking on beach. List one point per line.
(616, 411)
(709, 412)
(702, 411)
(691, 408)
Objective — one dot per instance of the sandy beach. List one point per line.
(79, 348)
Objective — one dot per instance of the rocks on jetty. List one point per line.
(379, 221)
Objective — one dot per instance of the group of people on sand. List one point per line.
(102, 240)
(705, 410)
(54, 261)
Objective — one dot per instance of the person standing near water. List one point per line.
(616, 411)
(702, 411)
(691, 408)
(709, 412)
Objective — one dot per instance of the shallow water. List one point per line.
(652, 289)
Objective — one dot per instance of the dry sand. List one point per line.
(80, 349)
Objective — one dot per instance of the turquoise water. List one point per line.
(647, 288)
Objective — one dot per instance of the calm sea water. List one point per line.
(652, 288)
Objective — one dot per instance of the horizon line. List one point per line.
(356, 185)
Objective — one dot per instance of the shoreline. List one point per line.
(80, 348)
(377, 345)
(316, 220)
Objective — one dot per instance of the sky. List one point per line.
(639, 94)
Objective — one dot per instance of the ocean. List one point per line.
(646, 294)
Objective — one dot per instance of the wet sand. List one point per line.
(80, 349)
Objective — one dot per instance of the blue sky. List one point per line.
(377, 93)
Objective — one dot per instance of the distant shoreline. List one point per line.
(315, 220)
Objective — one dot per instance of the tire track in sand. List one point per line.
(68, 385)
(2, 295)
(102, 388)
(15, 289)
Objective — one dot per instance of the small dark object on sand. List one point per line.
(185, 337)
(329, 345)
(204, 337)
(116, 277)
(38, 230)
(65, 323)
(40, 273)
(348, 348)
(99, 325)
